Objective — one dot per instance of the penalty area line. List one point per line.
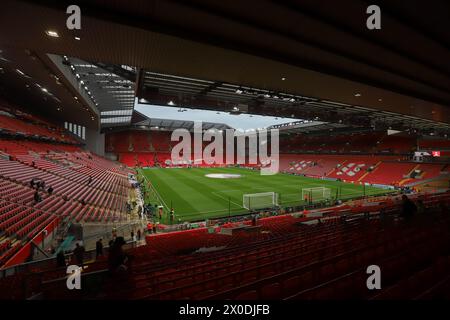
(223, 198)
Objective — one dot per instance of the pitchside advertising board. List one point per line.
(422, 155)
(436, 153)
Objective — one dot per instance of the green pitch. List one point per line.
(196, 197)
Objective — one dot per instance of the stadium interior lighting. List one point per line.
(52, 33)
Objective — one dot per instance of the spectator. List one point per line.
(409, 208)
(139, 234)
(117, 259)
(32, 183)
(78, 253)
(37, 197)
(99, 248)
(60, 259)
(132, 236)
(50, 190)
(420, 207)
(89, 180)
(254, 220)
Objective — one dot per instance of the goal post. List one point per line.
(316, 194)
(254, 201)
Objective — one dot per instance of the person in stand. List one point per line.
(117, 259)
(149, 227)
(172, 215)
(99, 248)
(409, 208)
(420, 207)
(50, 190)
(89, 180)
(78, 253)
(60, 259)
(32, 183)
(254, 220)
(139, 234)
(132, 236)
(160, 212)
(37, 197)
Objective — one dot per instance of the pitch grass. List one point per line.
(197, 197)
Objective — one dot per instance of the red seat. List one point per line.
(249, 295)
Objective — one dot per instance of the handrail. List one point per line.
(49, 262)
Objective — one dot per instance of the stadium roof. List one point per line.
(111, 88)
(187, 92)
(170, 124)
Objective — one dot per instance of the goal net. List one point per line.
(316, 194)
(262, 200)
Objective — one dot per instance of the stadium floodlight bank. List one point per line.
(255, 201)
(316, 194)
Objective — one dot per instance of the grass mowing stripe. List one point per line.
(157, 194)
(196, 196)
(196, 183)
(168, 191)
(237, 204)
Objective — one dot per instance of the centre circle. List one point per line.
(223, 176)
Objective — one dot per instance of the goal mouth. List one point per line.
(223, 176)
(262, 200)
(316, 194)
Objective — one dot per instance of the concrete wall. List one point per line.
(111, 156)
(95, 141)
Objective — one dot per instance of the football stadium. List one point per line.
(228, 196)
(224, 151)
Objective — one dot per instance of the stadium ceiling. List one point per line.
(305, 48)
(157, 88)
(111, 88)
(170, 124)
(32, 81)
(292, 128)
